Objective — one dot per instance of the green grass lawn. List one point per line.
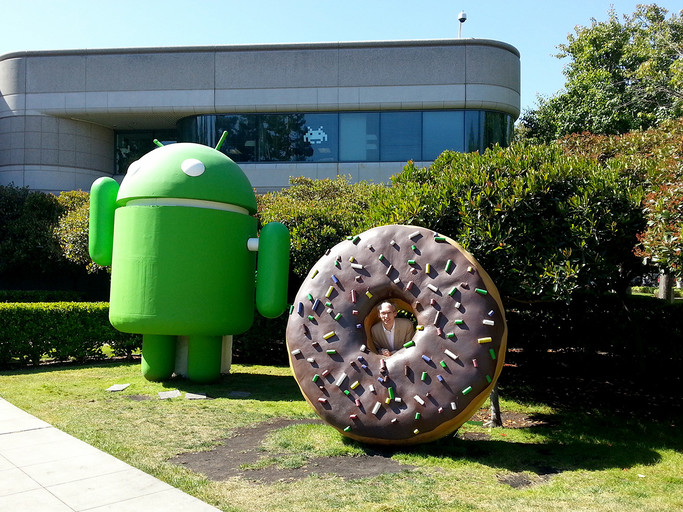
(593, 461)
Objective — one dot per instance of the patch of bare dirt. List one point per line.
(237, 455)
(523, 480)
(228, 459)
(511, 419)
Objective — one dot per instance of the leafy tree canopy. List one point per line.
(27, 219)
(655, 158)
(623, 75)
(72, 229)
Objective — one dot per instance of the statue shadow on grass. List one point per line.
(543, 459)
(241, 385)
(566, 442)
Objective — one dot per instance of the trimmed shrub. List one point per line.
(72, 230)
(543, 224)
(318, 213)
(653, 156)
(638, 329)
(60, 330)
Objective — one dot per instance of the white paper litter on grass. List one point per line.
(165, 395)
(118, 387)
(195, 396)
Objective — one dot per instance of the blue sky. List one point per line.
(535, 28)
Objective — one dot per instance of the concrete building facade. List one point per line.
(317, 110)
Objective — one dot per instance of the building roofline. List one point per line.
(264, 47)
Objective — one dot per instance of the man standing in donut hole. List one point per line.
(390, 333)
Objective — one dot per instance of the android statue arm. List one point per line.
(101, 222)
(273, 269)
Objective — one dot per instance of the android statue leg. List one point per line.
(204, 358)
(158, 356)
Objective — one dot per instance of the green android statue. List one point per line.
(180, 236)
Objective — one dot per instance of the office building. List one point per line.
(318, 110)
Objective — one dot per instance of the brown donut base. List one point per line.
(307, 336)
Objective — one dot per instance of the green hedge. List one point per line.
(59, 330)
(635, 328)
(318, 213)
(78, 330)
(27, 222)
(642, 330)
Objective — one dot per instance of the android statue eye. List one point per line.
(193, 167)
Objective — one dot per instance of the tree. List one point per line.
(622, 76)
(27, 244)
(72, 229)
(318, 213)
(662, 242)
(654, 158)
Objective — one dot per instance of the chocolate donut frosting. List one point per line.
(432, 385)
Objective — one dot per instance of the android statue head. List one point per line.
(188, 172)
(180, 235)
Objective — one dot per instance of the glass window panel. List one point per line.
(359, 137)
(495, 129)
(400, 139)
(322, 136)
(130, 146)
(474, 139)
(187, 129)
(441, 131)
(297, 137)
(330, 137)
(242, 139)
(197, 129)
(277, 137)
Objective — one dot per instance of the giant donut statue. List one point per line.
(439, 379)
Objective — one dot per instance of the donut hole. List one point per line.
(403, 310)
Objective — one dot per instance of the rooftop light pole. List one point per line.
(462, 18)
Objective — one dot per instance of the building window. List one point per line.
(281, 138)
(322, 134)
(497, 129)
(298, 138)
(347, 136)
(241, 142)
(400, 136)
(359, 137)
(474, 139)
(442, 131)
(130, 146)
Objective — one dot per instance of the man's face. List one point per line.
(387, 315)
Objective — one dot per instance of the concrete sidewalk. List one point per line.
(43, 469)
